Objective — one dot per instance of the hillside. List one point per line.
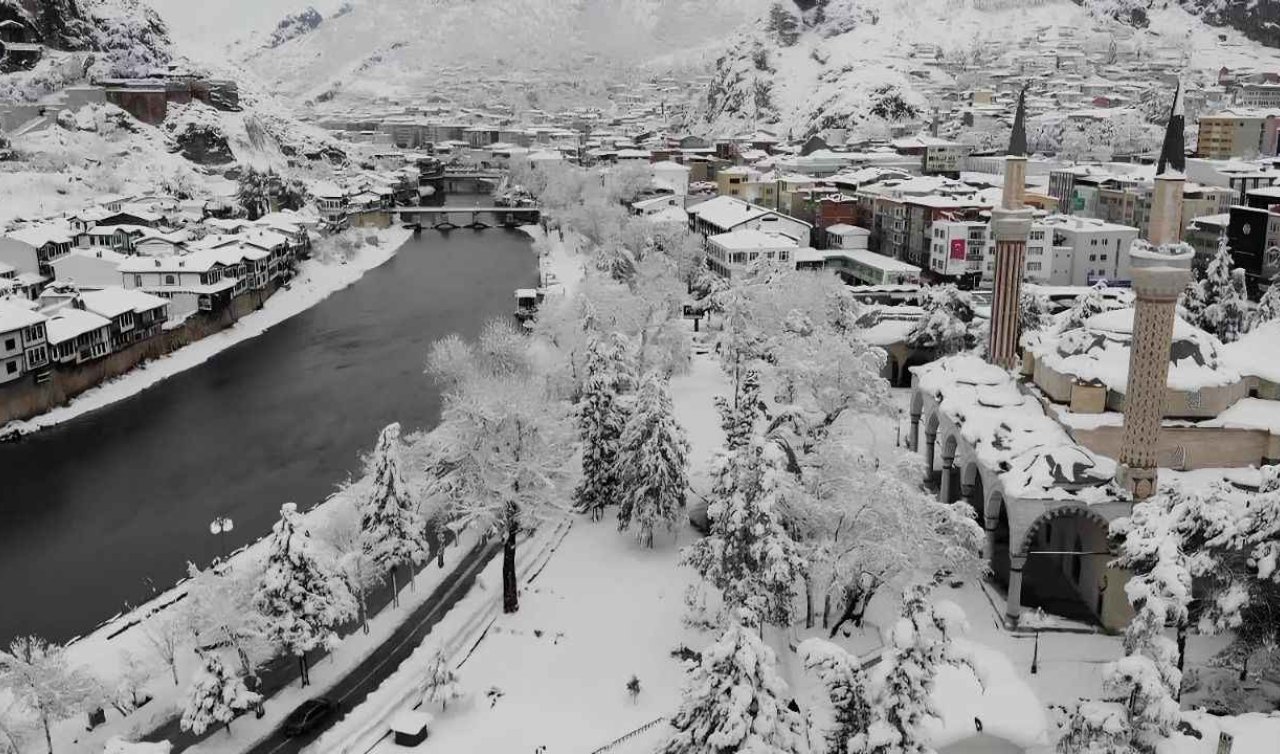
(128, 37)
(812, 65)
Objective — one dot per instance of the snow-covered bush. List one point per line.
(216, 696)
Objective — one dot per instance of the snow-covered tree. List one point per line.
(1269, 305)
(220, 609)
(1033, 311)
(1091, 303)
(341, 533)
(748, 555)
(442, 685)
(504, 446)
(740, 415)
(735, 701)
(164, 636)
(948, 322)
(301, 597)
(602, 414)
(864, 524)
(215, 697)
(1227, 311)
(41, 680)
(1097, 727)
(653, 474)
(901, 686)
(392, 526)
(846, 686)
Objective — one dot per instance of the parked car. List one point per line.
(309, 716)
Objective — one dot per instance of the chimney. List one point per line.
(1010, 226)
(1160, 273)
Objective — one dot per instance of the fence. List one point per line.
(628, 736)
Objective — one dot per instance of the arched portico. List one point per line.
(1062, 563)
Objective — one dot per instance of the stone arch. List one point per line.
(973, 489)
(904, 371)
(998, 538)
(1066, 553)
(930, 440)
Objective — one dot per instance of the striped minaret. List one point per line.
(1010, 226)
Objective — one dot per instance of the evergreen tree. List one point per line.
(1033, 311)
(653, 474)
(300, 596)
(443, 684)
(749, 556)
(216, 696)
(784, 25)
(902, 687)
(1269, 305)
(602, 415)
(738, 418)
(1226, 304)
(735, 701)
(1091, 303)
(392, 530)
(846, 687)
(948, 322)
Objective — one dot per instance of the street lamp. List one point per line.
(218, 527)
(1035, 654)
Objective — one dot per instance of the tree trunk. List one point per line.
(395, 589)
(808, 603)
(362, 601)
(826, 610)
(173, 668)
(302, 664)
(510, 592)
(48, 738)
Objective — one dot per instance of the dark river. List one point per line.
(97, 512)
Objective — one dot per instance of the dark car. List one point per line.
(309, 716)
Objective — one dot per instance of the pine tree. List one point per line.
(392, 530)
(602, 415)
(1269, 305)
(1226, 304)
(947, 324)
(1033, 311)
(300, 596)
(216, 696)
(749, 556)
(739, 418)
(1091, 303)
(653, 474)
(846, 687)
(902, 688)
(735, 701)
(443, 684)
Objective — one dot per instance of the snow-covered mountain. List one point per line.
(810, 65)
(370, 48)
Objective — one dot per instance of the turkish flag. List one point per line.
(957, 248)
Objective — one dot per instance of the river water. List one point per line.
(102, 510)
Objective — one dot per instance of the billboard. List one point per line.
(957, 249)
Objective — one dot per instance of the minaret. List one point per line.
(1010, 226)
(1160, 273)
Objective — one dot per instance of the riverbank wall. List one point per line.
(27, 398)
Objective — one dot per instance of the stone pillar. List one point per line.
(948, 485)
(1159, 276)
(913, 440)
(966, 490)
(930, 442)
(989, 542)
(1010, 227)
(1013, 607)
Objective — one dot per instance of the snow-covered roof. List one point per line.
(69, 324)
(728, 211)
(667, 166)
(196, 262)
(114, 301)
(878, 261)
(1254, 354)
(751, 239)
(1099, 352)
(15, 316)
(39, 235)
(669, 215)
(1011, 434)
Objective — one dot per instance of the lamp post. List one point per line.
(218, 527)
(1035, 653)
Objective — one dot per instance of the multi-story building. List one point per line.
(956, 251)
(1098, 250)
(77, 336)
(937, 156)
(1253, 233)
(727, 213)
(33, 249)
(23, 342)
(1261, 95)
(1238, 133)
(732, 254)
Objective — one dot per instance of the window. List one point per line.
(137, 281)
(1093, 257)
(11, 367)
(1033, 266)
(10, 344)
(169, 280)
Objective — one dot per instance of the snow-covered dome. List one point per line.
(1098, 351)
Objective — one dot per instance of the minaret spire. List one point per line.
(1173, 153)
(1010, 226)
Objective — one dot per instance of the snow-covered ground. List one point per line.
(316, 281)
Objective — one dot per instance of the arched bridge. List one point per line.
(448, 218)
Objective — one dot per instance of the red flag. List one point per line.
(957, 248)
